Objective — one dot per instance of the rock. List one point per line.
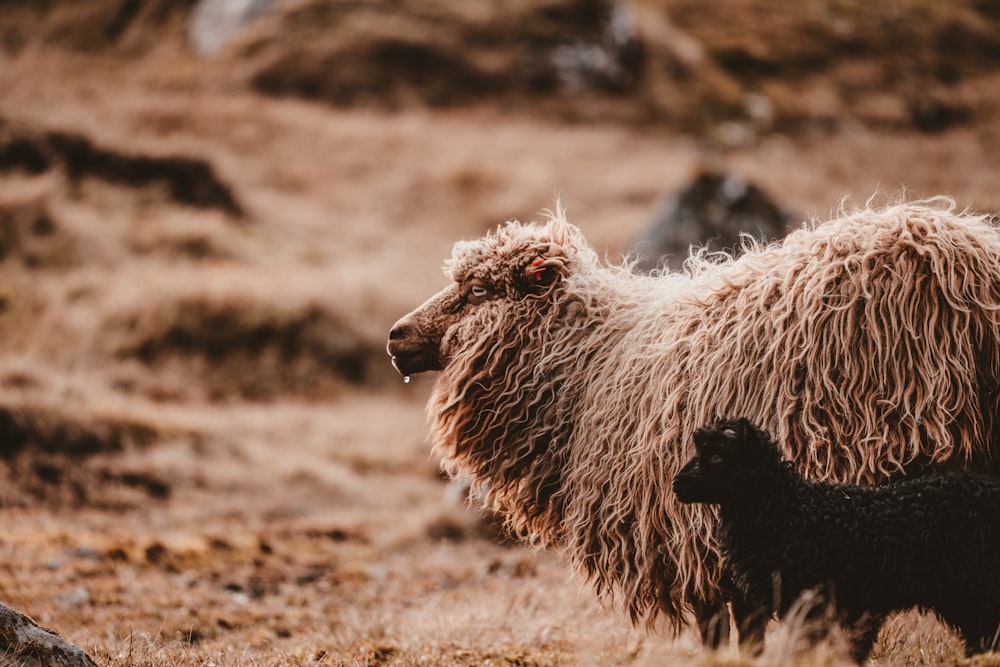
(434, 54)
(23, 643)
(612, 61)
(214, 22)
(712, 212)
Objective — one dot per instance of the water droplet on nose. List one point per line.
(406, 379)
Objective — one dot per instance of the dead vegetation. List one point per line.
(204, 454)
(238, 346)
(183, 179)
(440, 57)
(808, 68)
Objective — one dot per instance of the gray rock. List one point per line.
(610, 63)
(214, 22)
(23, 643)
(713, 211)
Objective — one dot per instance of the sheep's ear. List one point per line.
(543, 271)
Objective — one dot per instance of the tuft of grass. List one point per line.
(917, 638)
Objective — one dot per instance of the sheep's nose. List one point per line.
(398, 331)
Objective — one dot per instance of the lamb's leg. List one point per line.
(980, 634)
(976, 615)
(863, 633)
(987, 403)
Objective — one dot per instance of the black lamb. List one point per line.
(931, 542)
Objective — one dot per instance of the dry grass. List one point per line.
(205, 458)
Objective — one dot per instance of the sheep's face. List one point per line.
(721, 463)
(495, 282)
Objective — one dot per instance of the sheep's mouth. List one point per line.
(410, 361)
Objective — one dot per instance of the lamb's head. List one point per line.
(728, 456)
(497, 282)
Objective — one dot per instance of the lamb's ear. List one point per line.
(701, 436)
(751, 434)
(543, 271)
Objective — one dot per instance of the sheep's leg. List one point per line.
(713, 625)
(751, 621)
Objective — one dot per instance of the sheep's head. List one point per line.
(726, 455)
(513, 271)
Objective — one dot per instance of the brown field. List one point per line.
(206, 456)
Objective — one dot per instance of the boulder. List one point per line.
(713, 212)
(24, 643)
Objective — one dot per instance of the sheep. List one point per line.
(862, 551)
(568, 387)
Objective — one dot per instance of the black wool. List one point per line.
(931, 542)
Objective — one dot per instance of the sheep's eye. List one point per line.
(479, 292)
(715, 459)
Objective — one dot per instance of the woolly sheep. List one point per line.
(569, 388)
(862, 551)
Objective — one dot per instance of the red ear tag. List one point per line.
(537, 269)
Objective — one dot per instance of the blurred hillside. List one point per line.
(758, 67)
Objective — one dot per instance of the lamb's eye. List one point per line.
(715, 459)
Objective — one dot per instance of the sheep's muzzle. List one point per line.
(410, 350)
